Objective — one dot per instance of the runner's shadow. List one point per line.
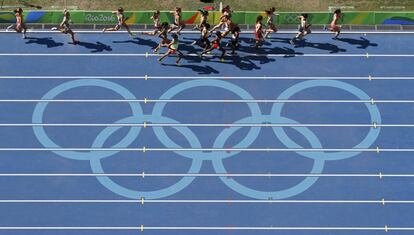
(333, 49)
(361, 43)
(241, 62)
(196, 68)
(188, 48)
(95, 47)
(251, 41)
(48, 42)
(246, 62)
(304, 43)
(141, 42)
(260, 59)
(263, 51)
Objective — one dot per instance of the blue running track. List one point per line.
(311, 139)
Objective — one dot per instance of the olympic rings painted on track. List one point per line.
(253, 107)
(365, 143)
(96, 164)
(40, 108)
(197, 157)
(294, 190)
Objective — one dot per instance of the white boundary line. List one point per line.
(229, 228)
(146, 77)
(268, 175)
(225, 125)
(145, 101)
(248, 32)
(145, 149)
(182, 201)
(195, 55)
(204, 101)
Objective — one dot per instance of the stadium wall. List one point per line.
(143, 17)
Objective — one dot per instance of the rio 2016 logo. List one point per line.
(100, 18)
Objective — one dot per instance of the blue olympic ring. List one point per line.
(197, 158)
(365, 143)
(44, 139)
(96, 164)
(253, 107)
(280, 194)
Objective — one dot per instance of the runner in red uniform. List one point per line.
(258, 32)
(335, 27)
(271, 27)
(216, 44)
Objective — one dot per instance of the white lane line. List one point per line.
(70, 228)
(194, 55)
(196, 101)
(229, 228)
(182, 201)
(267, 175)
(281, 32)
(145, 149)
(77, 54)
(72, 77)
(368, 78)
(280, 78)
(225, 125)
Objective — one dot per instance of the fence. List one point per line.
(143, 17)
